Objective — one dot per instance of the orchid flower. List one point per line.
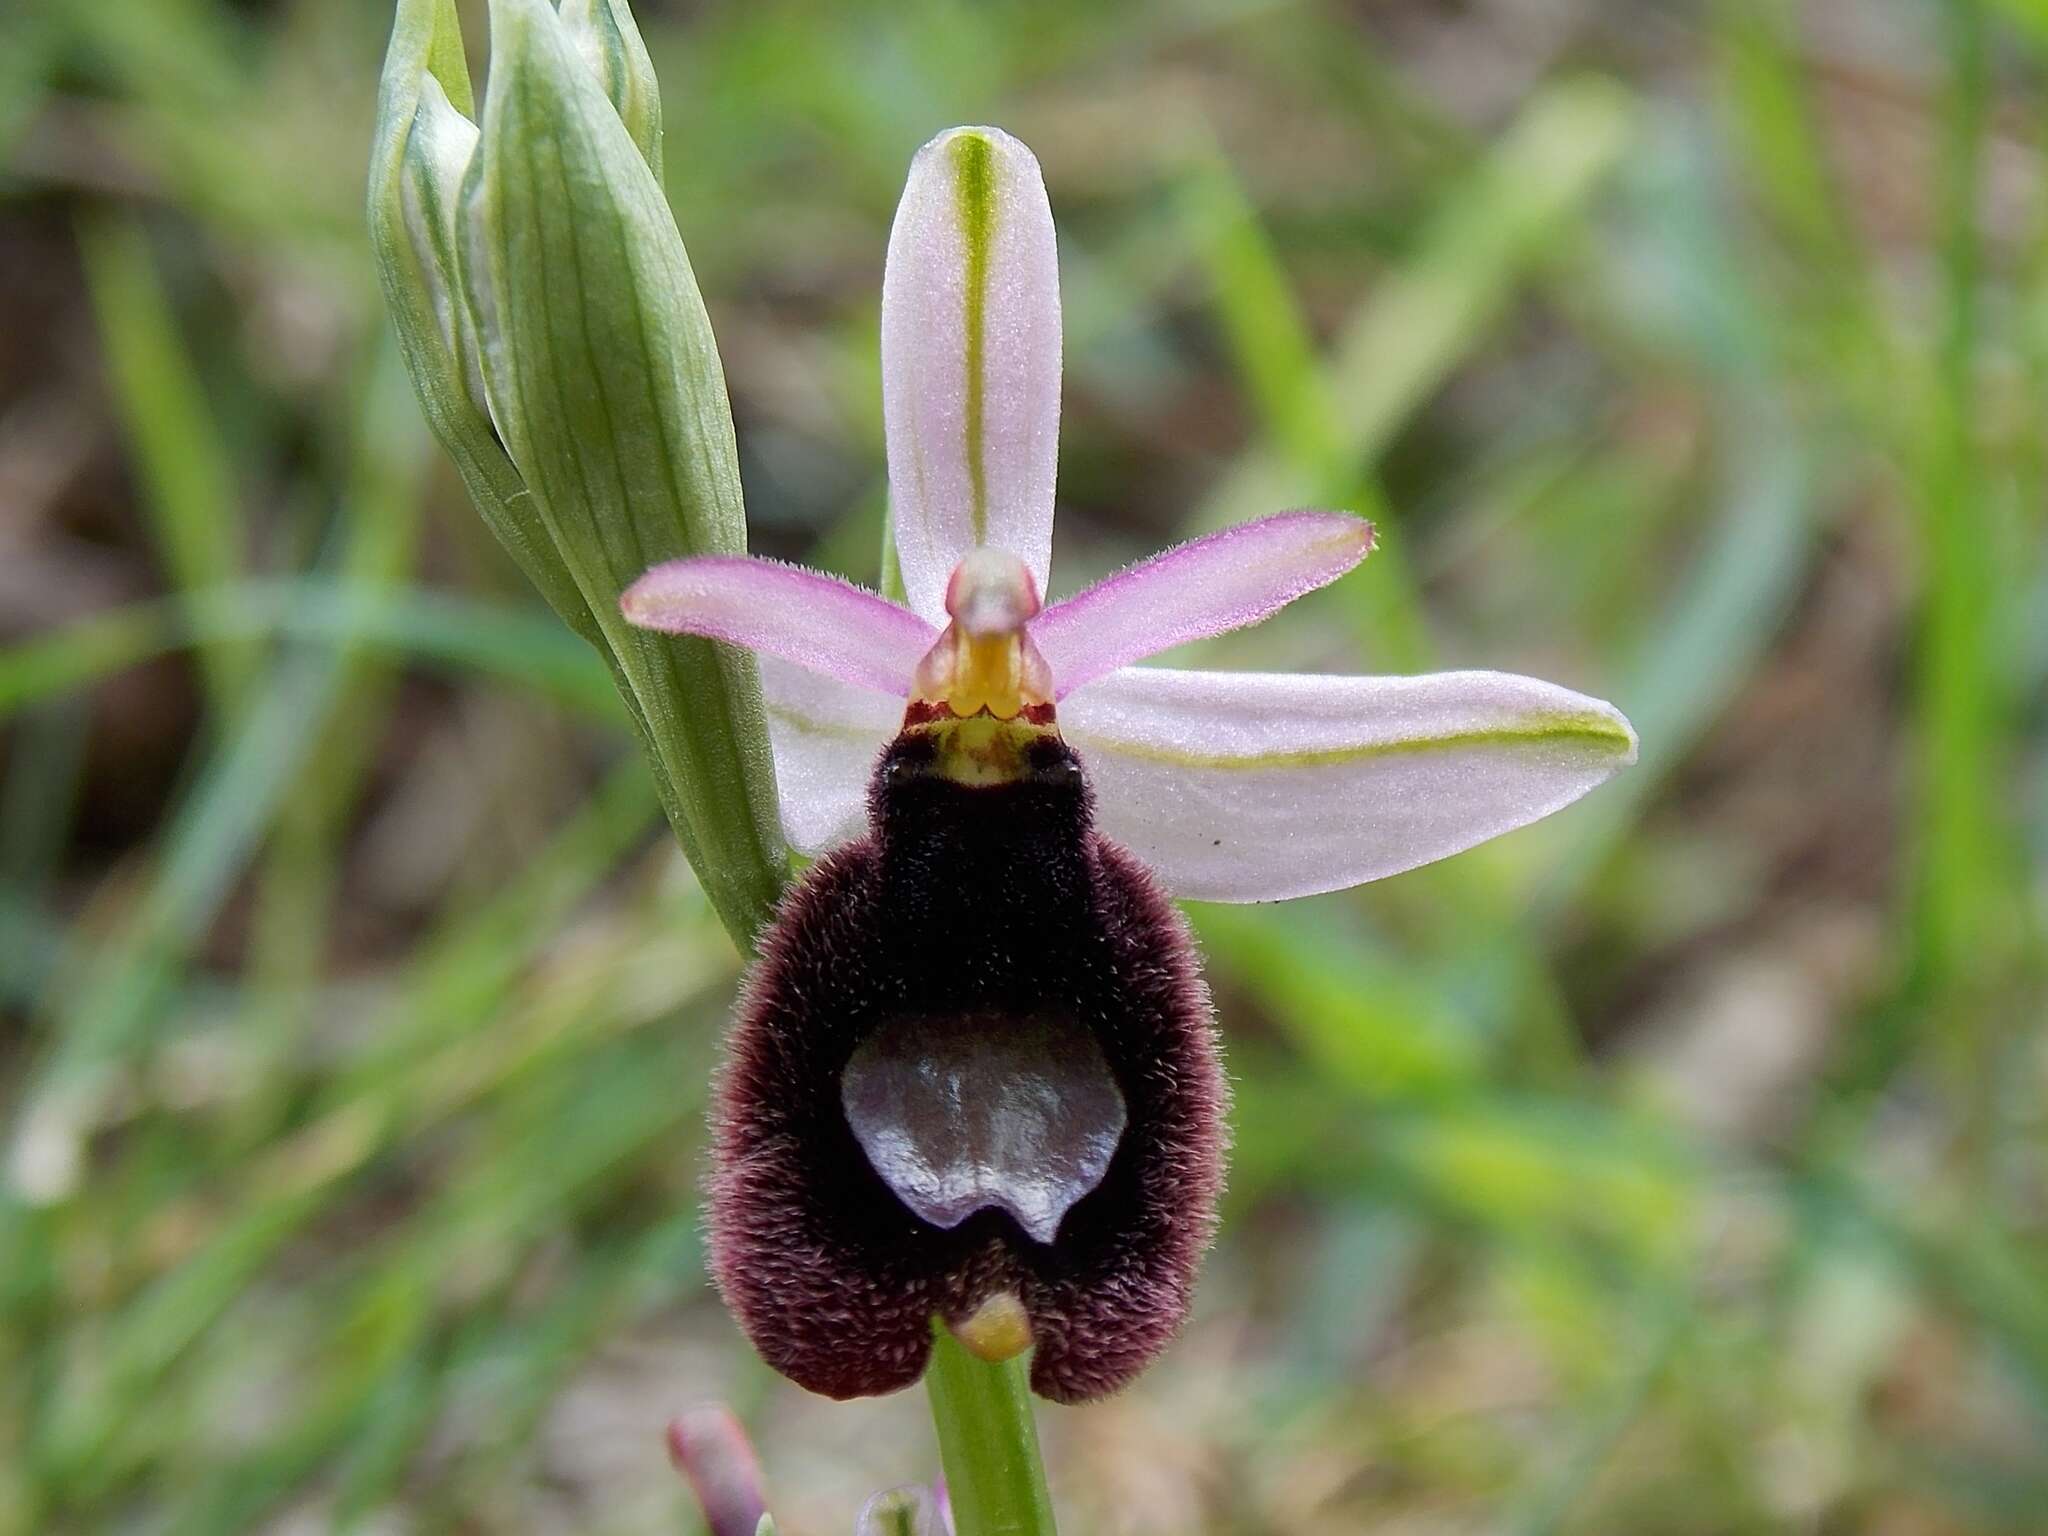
(974, 1075)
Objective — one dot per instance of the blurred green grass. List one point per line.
(1673, 1167)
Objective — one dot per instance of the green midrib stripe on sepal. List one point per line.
(974, 185)
(1591, 732)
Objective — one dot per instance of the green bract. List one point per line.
(553, 330)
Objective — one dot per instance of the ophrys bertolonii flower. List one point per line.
(974, 1077)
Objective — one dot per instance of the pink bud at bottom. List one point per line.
(710, 1448)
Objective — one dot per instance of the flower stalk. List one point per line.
(988, 1443)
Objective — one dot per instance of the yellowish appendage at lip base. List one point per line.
(984, 663)
(1000, 675)
(997, 1330)
(983, 750)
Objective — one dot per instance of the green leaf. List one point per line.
(182, 461)
(1397, 349)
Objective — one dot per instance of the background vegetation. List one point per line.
(1674, 1167)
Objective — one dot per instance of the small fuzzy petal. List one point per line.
(971, 360)
(814, 620)
(1205, 587)
(826, 738)
(1262, 786)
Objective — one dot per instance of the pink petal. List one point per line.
(1205, 587)
(816, 621)
(1258, 786)
(971, 360)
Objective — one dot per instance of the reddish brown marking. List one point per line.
(930, 712)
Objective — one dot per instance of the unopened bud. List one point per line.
(553, 331)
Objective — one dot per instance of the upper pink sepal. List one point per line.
(1205, 587)
(971, 361)
(817, 621)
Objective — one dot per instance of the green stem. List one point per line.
(987, 1443)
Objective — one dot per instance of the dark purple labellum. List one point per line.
(975, 1058)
